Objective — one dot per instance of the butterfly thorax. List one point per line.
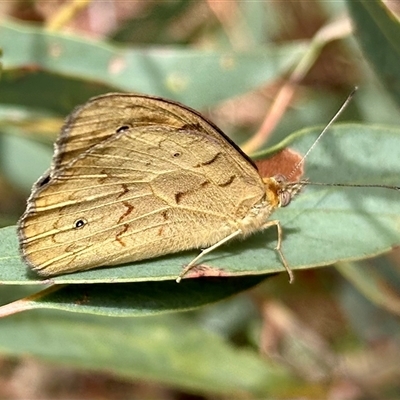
(278, 193)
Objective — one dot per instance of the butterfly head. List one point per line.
(280, 191)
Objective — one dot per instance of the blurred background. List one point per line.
(261, 69)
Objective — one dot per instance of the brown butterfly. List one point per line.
(135, 177)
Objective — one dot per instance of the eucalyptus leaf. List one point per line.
(378, 32)
(60, 61)
(321, 226)
(158, 348)
(133, 299)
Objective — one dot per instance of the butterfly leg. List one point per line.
(278, 247)
(205, 251)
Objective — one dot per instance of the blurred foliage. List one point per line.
(335, 332)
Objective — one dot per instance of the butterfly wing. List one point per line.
(102, 116)
(157, 185)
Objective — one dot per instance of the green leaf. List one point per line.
(23, 160)
(172, 350)
(133, 299)
(321, 226)
(152, 28)
(176, 74)
(378, 32)
(58, 93)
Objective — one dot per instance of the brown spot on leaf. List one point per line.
(203, 270)
(116, 65)
(282, 163)
(83, 300)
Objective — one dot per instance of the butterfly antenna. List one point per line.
(350, 185)
(333, 119)
(306, 182)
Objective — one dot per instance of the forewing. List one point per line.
(103, 116)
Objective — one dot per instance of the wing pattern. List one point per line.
(138, 180)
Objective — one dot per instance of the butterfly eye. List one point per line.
(176, 154)
(285, 197)
(80, 223)
(122, 128)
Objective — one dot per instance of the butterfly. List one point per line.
(135, 177)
